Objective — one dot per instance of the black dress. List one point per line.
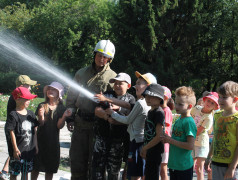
(48, 157)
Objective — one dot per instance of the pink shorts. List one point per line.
(165, 157)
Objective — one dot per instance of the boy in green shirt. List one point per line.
(183, 135)
(223, 154)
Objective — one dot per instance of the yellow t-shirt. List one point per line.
(224, 140)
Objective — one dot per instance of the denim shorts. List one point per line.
(20, 166)
(136, 164)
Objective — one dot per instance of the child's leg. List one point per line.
(152, 169)
(163, 171)
(6, 165)
(114, 159)
(24, 176)
(34, 175)
(200, 168)
(12, 177)
(48, 176)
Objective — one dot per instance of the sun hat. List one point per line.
(148, 77)
(155, 90)
(22, 92)
(213, 96)
(121, 77)
(24, 79)
(167, 92)
(57, 86)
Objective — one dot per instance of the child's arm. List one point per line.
(154, 141)
(41, 115)
(208, 160)
(200, 130)
(189, 144)
(232, 166)
(61, 121)
(121, 103)
(16, 152)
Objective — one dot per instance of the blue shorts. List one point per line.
(20, 166)
(136, 164)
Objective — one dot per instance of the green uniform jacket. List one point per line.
(93, 81)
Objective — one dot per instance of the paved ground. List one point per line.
(64, 143)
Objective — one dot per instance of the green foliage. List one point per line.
(15, 16)
(7, 80)
(68, 30)
(188, 42)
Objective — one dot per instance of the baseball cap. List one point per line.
(148, 77)
(57, 86)
(167, 92)
(213, 96)
(155, 90)
(24, 79)
(121, 77)
(22, 92)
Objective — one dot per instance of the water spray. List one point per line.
(15, 48)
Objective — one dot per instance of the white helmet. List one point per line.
(106, 47)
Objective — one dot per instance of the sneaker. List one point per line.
(4, 176)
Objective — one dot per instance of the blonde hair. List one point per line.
(188, 93)
(228, 88)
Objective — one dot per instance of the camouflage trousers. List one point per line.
(107, 156)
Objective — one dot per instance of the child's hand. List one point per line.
(143, 153)
(67, 113)
(100, 97)
(207, 165)
(109, 111)
(16, 154)
(229, 173)
(115, 107)
(165, 138)
(41, 112)
(70, 126)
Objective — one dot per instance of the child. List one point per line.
(183, 134)
(167, 106)
(224, 152)
(203, 117)
(109, 141)
(21, 127)
(21, 81)
(51, 116)
(153, 147)
(136, 121)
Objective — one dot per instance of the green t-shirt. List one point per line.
(181, 159)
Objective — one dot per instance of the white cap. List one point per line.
(121, 77)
